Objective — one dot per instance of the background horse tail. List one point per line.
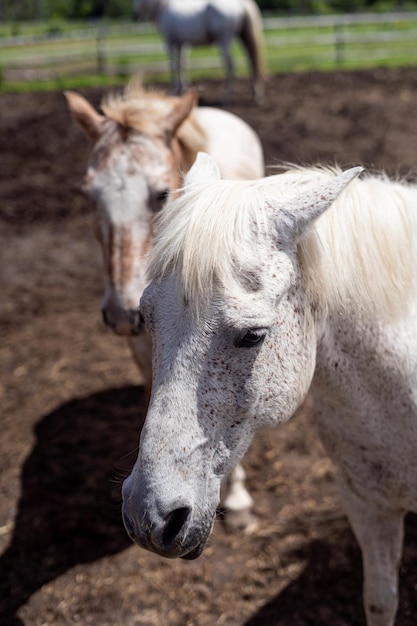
(252, 38)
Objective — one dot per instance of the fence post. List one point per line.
(101, 50)
(339, 44)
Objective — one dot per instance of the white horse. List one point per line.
(202, 22)
(142, 145)
(258, 290)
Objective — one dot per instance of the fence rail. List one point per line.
(297, 42)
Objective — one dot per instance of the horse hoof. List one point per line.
(243, 521)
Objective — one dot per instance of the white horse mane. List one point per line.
(360, 254)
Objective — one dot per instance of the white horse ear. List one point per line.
(204, 169)
(300, 213)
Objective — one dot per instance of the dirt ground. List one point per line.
(72, 404)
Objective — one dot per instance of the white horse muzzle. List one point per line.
(168, 529)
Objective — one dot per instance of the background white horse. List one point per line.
(202, 22)
(142, 145)
(258, 290)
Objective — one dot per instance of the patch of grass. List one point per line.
(53, 61)
(60, 84)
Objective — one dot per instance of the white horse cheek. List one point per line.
(171, 496)
(285, 367)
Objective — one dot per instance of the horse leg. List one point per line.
(251, 37)
(379, 533)
(175, 57)
(229, 67)
(238, 503)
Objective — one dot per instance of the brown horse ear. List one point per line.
(180, 111)
(85, 115)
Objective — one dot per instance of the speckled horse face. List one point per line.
(247, 361)
(133, 166)
(243, 358)
(129, 179)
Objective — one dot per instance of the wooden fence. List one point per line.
(291, 43)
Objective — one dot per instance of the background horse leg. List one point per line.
(229, 67)
(238, 503)
(175, 59)
(252, 39)
(379, 533)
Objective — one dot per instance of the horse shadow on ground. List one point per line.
(69, 514)
(69, 510)
(328, 592)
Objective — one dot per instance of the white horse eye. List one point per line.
(251, 338)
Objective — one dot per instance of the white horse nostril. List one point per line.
(174, 525)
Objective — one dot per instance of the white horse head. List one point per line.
(234, 345)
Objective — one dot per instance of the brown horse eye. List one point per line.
(161, 198)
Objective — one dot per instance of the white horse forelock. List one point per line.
(360, 254)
